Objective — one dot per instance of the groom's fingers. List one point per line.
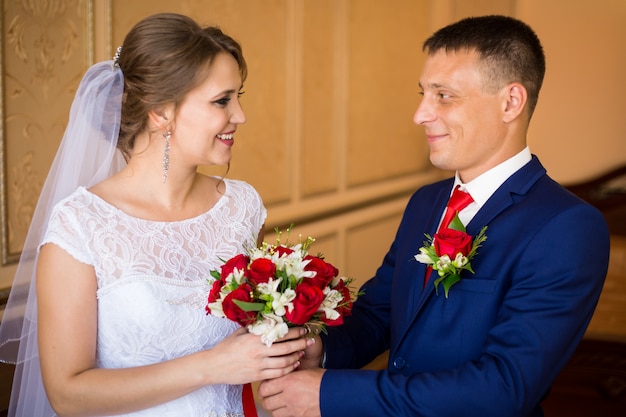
(270, 387)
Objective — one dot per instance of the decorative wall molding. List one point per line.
(47, 46)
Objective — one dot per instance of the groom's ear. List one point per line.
(514, 101)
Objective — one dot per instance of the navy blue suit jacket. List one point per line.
(493, 347)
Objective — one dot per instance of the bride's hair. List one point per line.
(163, 57)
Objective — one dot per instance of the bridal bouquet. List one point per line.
(273, 287)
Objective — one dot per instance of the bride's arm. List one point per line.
(260, 236)
(67, 330)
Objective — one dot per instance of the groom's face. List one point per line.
(462, 120)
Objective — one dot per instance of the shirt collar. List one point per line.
(483, 186)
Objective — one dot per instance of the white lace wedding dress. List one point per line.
(152, 283)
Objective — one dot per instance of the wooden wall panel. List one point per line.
(369, 242)
(384, 63)
(355, 241)
(463, 8)
(321, 130)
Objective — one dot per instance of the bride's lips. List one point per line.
(227, 138)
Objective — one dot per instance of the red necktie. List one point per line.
(457, 202)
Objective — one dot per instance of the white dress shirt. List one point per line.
(483, 186)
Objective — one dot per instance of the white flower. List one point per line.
(270, 329)
(216, 308)
(294, 264)
(331, 301)
(280, 301)
(443, 263)
(256, 253)
(460, 260)
(283, 301)
(270, 287)
(423, 257)
(237, 275)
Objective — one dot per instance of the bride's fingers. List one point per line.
(293, 333)
(289, 346)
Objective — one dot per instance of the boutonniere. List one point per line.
(449, 253)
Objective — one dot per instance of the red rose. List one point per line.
(233, 311)
(330, 323)
(324, 272)
(307, 302)
(283, 251)
(240, 262)
(451, 242)
(261, 270)
(214, 294)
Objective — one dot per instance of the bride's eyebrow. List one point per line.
(225, 93)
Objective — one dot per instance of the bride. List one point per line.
(126, 232)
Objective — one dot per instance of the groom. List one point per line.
(494, 345)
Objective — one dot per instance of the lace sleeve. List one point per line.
(248, 199)
(259, 213)
(64, 231)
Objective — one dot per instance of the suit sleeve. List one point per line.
(540, 319)
(366, 333)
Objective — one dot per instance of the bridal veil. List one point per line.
(87, 155)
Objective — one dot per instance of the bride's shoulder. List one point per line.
(225, 185)
(107, 190)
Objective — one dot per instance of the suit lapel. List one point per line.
(420, 292)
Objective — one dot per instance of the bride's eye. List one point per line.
(222, 102)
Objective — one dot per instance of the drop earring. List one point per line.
(166, 155)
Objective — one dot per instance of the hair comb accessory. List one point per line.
(116, 57)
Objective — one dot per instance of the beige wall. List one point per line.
(579, 129)
(329, 141)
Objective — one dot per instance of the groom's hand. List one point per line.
(312, 354)
(293, 395)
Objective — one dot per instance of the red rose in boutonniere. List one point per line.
(450, 242)
(449, 253)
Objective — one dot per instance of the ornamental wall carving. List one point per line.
(46, 49)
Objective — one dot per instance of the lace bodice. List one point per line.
(153, 283)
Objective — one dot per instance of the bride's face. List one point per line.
(208, 116)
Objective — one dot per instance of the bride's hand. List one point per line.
(242, 357)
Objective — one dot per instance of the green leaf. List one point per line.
(436, 282)
(215, 274)
(247, 306)
(456, 223)
(449, 281)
